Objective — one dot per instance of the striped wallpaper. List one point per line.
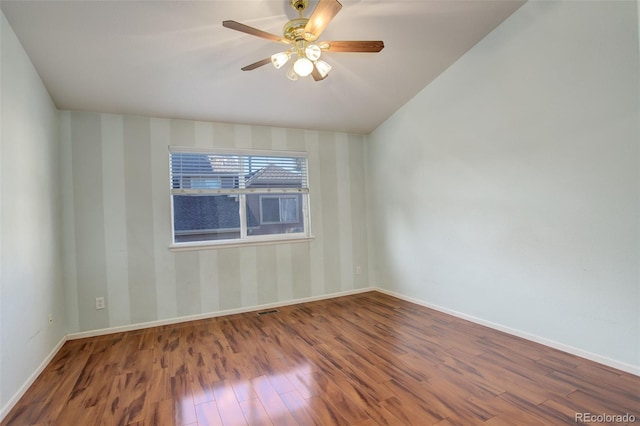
(117, 225)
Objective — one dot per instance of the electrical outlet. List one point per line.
(50, 320)
(99, 302)
(358, 270)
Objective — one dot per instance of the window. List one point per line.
(221, 197)
(278, 209)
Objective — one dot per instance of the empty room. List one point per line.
(319, 212)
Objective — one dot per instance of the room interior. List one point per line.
(484, 164)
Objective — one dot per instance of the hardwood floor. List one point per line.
(366, 359)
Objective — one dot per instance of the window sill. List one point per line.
(208, 245)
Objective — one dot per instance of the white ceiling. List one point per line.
(174, 59)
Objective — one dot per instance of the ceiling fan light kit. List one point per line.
(303, 67)
(312, 52)
(291, 74)
(279, 59)
(323, 68)
(302, 33)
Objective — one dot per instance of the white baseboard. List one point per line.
(629, 368)
(32, 378)
(178, 320)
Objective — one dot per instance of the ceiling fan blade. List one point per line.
(253, 31)
(258, 64)
(352, 46)
(325, 11)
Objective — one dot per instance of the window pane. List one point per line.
(205, 218)
(289, 209)
(274, 172)
(204, 171)
(270, 211)
(206, 183)
(274, 214)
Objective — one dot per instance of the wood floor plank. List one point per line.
(75, 413)
(299, 409)
(183, 403)
(127, 398)
(60, 391)
(202, 386)
(160, 413)
(303, 383)
(274, 405)
(208, 415)
(364, 359)
(324, 413)
(254, 413)
(332, 393)
(408, 412)
(228, 406)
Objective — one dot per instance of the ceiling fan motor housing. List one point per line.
(294, 29)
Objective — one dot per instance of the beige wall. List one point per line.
(118, 230)
(508, 189)
(31, 285)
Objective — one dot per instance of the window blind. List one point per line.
(222, 173)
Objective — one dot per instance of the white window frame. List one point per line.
(241, 192)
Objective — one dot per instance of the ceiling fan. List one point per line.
(301, 34)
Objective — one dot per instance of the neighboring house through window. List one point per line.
(222, 197)
(278, 209)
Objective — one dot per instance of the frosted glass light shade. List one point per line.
(313, 52)
(291, 74)
(303, 67)
(323, 68)
(279, 59)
